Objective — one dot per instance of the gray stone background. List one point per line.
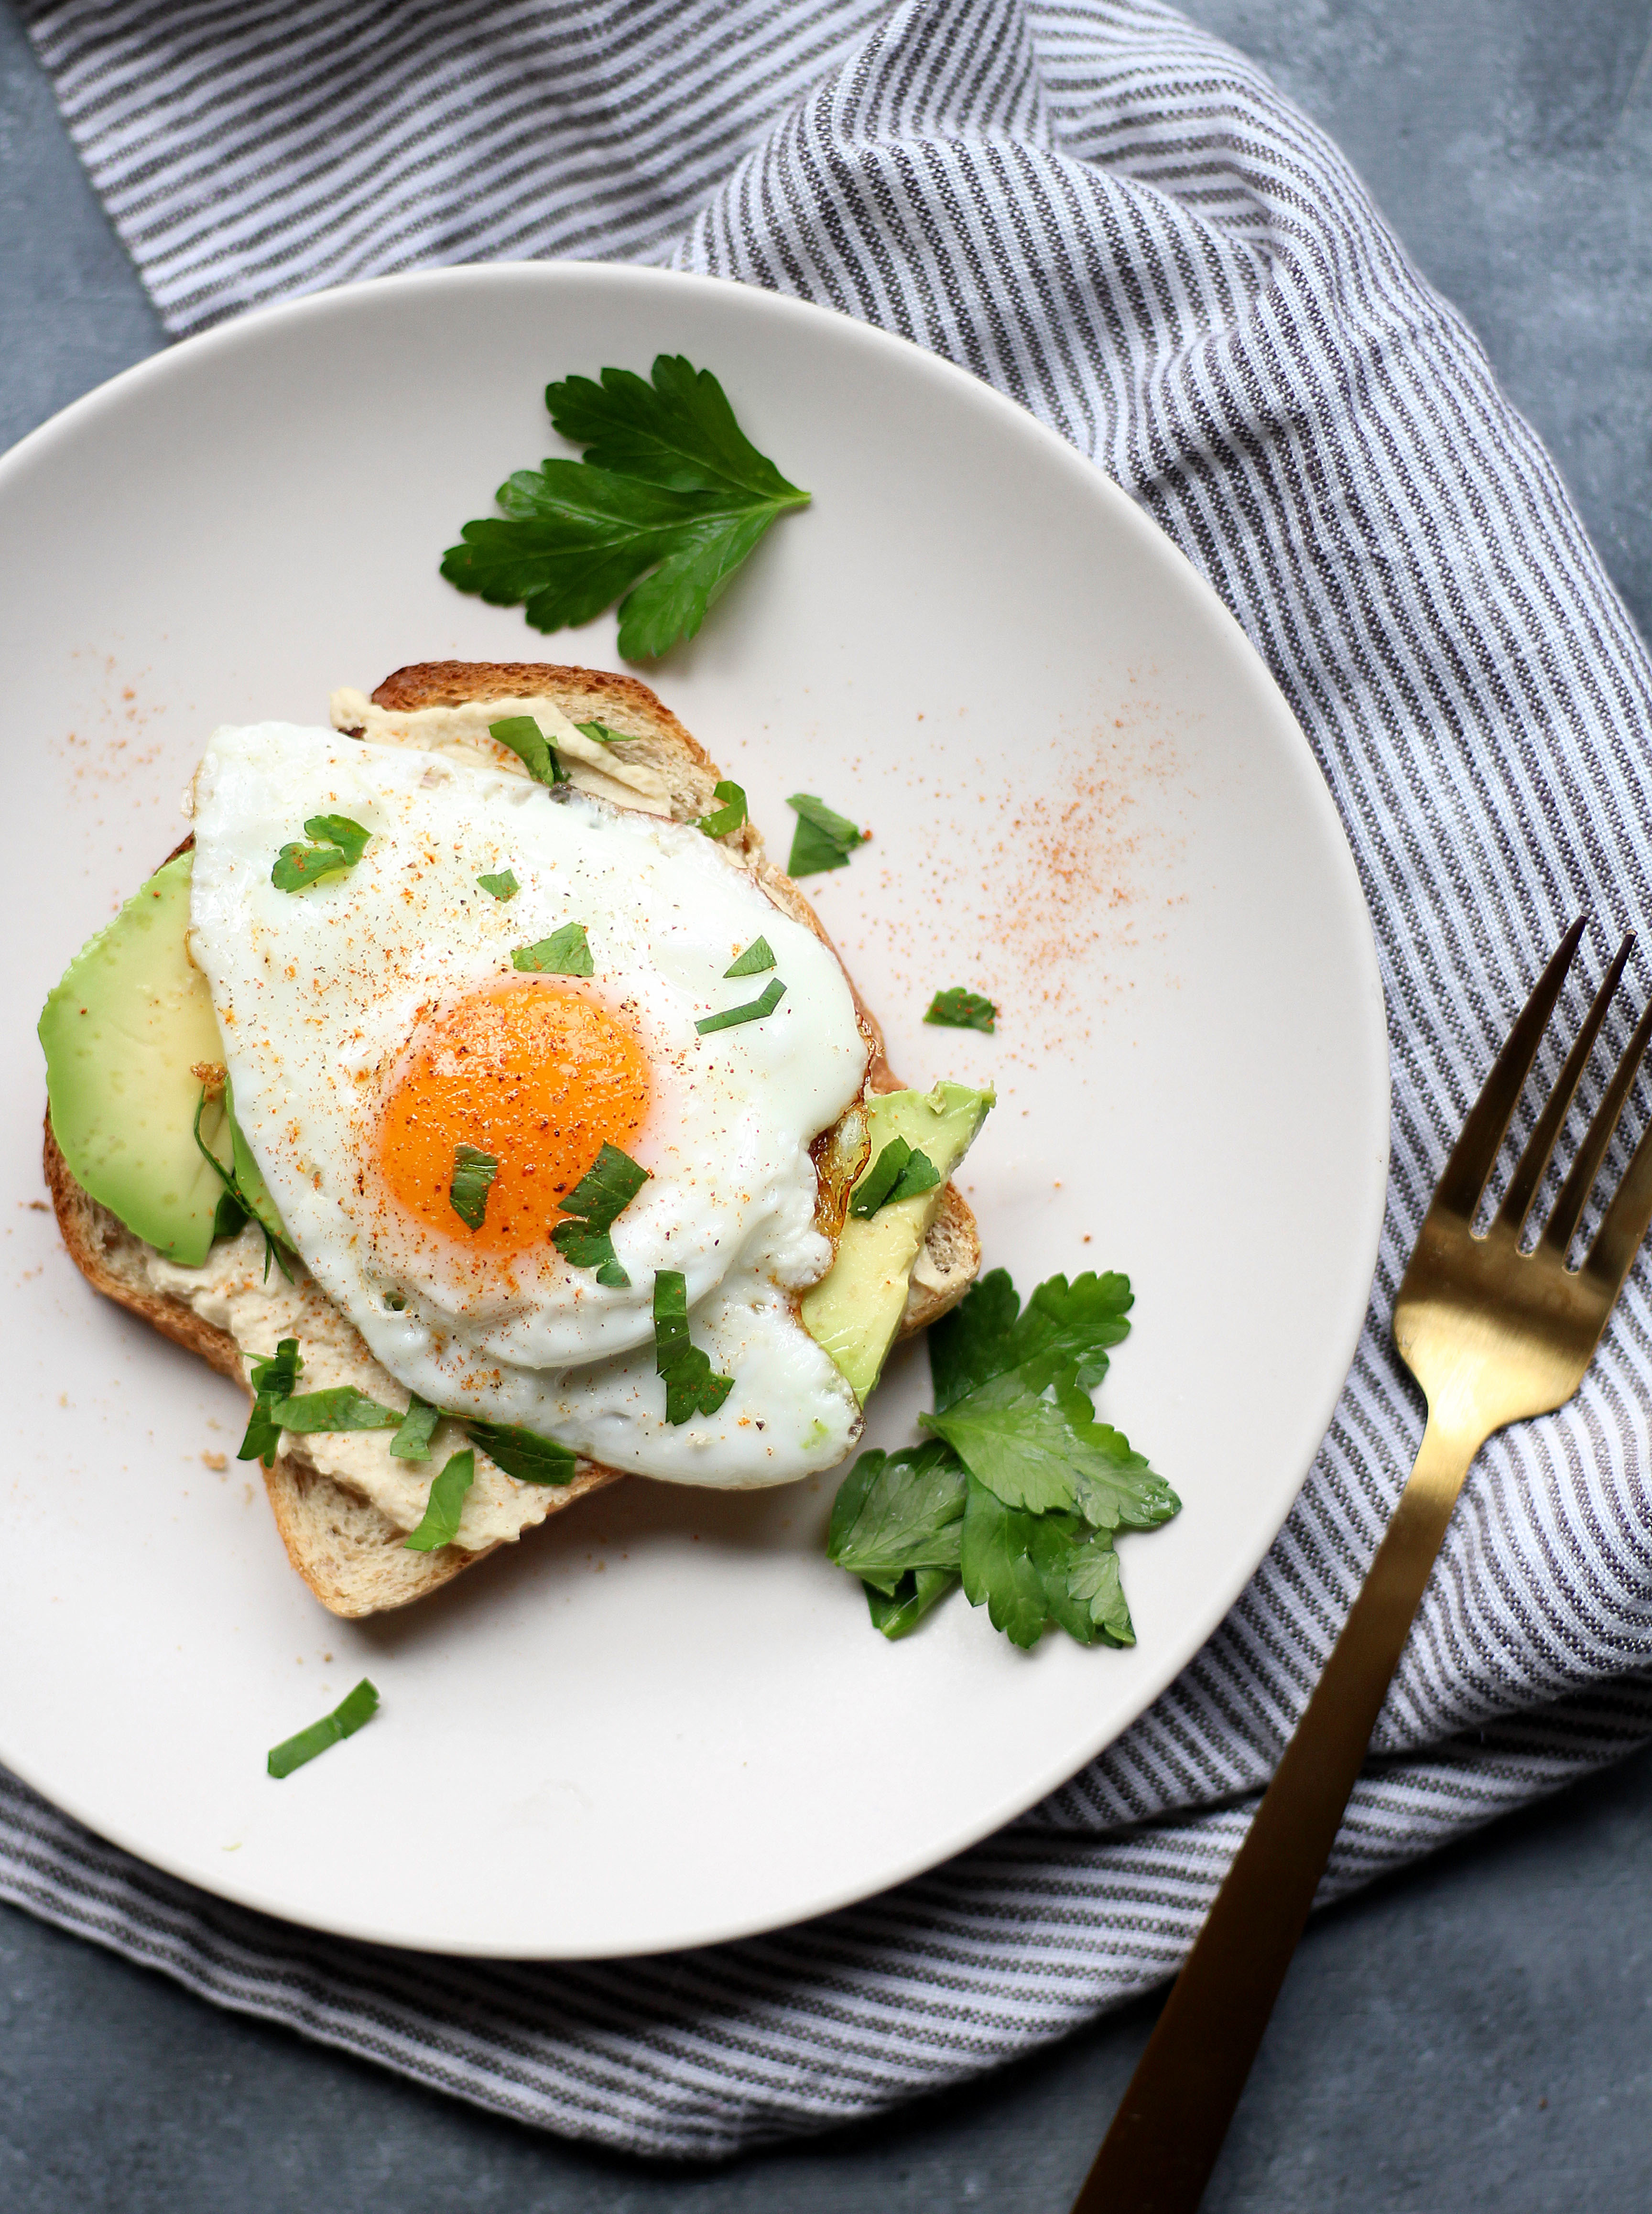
(1475, 2034)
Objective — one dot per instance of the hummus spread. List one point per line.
(232, 1291)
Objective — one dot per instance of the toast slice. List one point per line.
(351, 1555)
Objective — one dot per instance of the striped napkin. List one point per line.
(1119, 222)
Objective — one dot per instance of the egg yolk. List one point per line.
(537, 1077)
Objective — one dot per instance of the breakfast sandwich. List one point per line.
(472, 1090)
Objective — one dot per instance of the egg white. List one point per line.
(319, 994)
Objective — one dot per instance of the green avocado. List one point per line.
(122, 1033)
(854, 1311)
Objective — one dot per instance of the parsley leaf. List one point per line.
(504, 886)
(1029, 1570)
(822, 839)
(898, 1613)
(1048, 1451)
(523, 1453)
(900, 1171)
(228, 1216)
(730, 816)
(960, 1010)
(1092, 1583)
(233, 1207)
(297, 866)
(272, 1378)
(523, 735)
(474, 1171)
(439, 1525)
(342, 1408)
(355, 1708)
(668, 500)
(565, 952)
(600, 1195)
(752, 1011)
(338, 845)
(1064, 1333)
(757, 957)
(339, 830)
(690, 1387)
(896, 1513)
(412, 1439)
(1023, 1488)
(1012, 1398)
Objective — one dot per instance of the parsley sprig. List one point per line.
(1021, 1491)
(670, 497)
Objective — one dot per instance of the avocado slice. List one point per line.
(854, 1311)
(123, 1032)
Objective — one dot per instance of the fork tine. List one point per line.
(1528, 1170)
(1475, 1150)
(1619, 1238)
(1574, 1193)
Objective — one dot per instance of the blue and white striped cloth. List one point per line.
(1117, 221)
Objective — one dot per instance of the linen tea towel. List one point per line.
(1117, 221)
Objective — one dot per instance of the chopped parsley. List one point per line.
(342, 1408)
(757, 957)
(668, 500)
(337, 844)
(960, 1010)
(523, 1453)
(900, 1171)
(233, 1207)
(730, 816)
(565, 952)
(503, 885)
(600, 1195)
(474, 1171)
(822, 839)
(690, 1387)
(412, 1439)
(523, 735)
(439, 1525)
(753, 1010)
(272, 1378)
(339, 830)
(356, 1708)
(1021, 1491)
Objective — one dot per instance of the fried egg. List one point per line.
(375, 1023)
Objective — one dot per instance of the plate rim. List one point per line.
(247, 330)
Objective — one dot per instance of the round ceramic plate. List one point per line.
(664, 1718)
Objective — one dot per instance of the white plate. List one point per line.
(665, 1720)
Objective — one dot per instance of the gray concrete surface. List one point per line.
(1476, 2035)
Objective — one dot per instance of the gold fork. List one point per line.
(1494, 1336)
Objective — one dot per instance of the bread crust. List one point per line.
(352, 1556)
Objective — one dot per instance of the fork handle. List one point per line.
(1169, 2130)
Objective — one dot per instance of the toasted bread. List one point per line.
(351, 1555)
